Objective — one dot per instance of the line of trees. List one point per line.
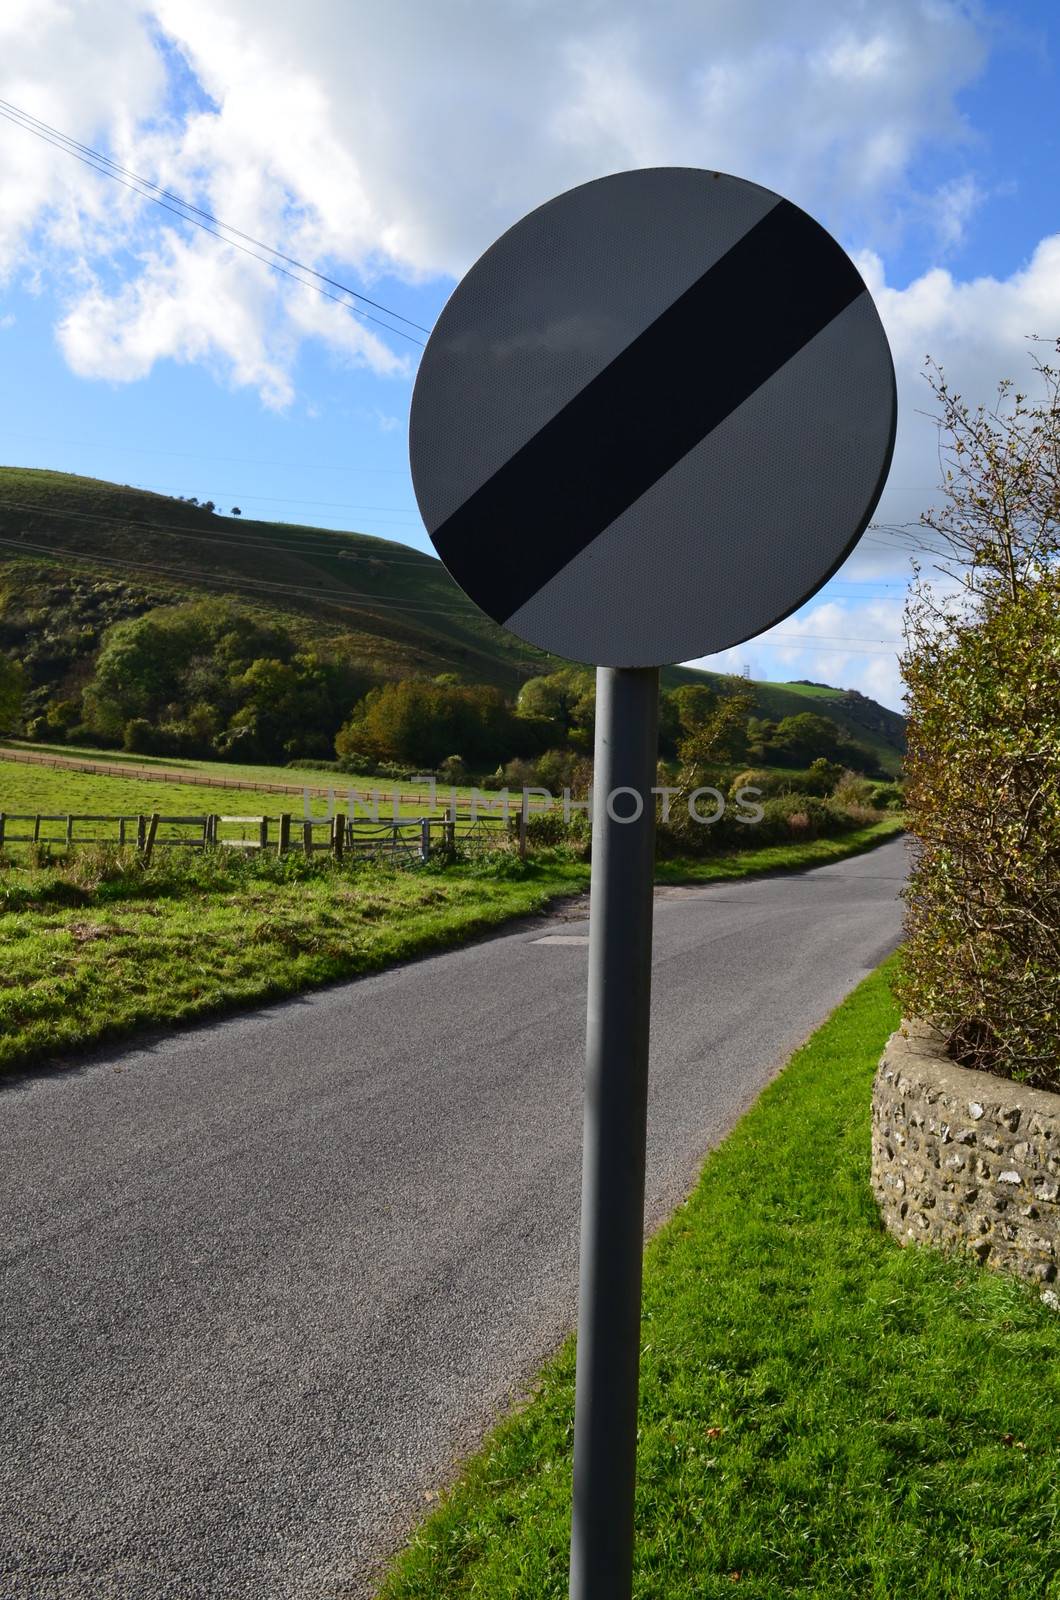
(213, 678)
(445, 726)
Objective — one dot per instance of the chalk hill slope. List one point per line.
(388, 607)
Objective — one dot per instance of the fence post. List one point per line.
(450, 829)
(1, 830)
(338, 835)
(284, 843)
(149, 841)
(263, 834)
(36, 828)
(523, 809)
(307, 838)
(141, 833)
(69, 830)
(425, 838)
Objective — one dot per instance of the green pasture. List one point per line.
(35, 788)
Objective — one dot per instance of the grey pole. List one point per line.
(616, 1092)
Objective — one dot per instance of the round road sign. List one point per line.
(653, 419)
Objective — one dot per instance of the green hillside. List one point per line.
(77, 554)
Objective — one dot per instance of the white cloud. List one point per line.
(978, 332)
(403, 138)
(852, 642)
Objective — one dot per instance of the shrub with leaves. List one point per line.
(982, 793)
(852, 790)
(983, 798)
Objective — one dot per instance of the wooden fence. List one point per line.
(406, 839)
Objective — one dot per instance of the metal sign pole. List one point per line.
(616, 1093)
(705, 506)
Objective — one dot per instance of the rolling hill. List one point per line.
(78, 553)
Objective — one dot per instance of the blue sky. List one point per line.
(388, 146)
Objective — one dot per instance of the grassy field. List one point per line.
(822, 1414)
(241, 773)
(32, 788)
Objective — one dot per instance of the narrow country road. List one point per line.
(264, 1281)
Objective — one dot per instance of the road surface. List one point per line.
(264, 1281)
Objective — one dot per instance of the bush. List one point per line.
(818, 779)
(453, 771)
(888, 796)
(545, 829)
(355, 761)
(982, 957)
(138, 736)
(798, 816)
(851, 790)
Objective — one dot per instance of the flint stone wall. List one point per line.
(962, 1158)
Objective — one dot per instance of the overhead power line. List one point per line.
(189, 212)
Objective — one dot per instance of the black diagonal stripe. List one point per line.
(736, 326)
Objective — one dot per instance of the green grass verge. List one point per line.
(98, 946)
(791, 857)
(822, 1413)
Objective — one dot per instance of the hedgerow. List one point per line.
(982, 793)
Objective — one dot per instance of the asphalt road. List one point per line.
(264, 1281)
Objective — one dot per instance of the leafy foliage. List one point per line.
(209, 677)
(983, 773)
(1000, 520)
(427, 723)
(12, 689)
(983, 797)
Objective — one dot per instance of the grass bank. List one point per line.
(822, 1414)
(96, 946)
(793, 856)
(99, 945)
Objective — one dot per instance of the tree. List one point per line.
(557, 697)
(235, 512)
(998, 527)
(420, 723)
(798, 740)
(12, 688)
(715, 732)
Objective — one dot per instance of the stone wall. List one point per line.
(965, 1159)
